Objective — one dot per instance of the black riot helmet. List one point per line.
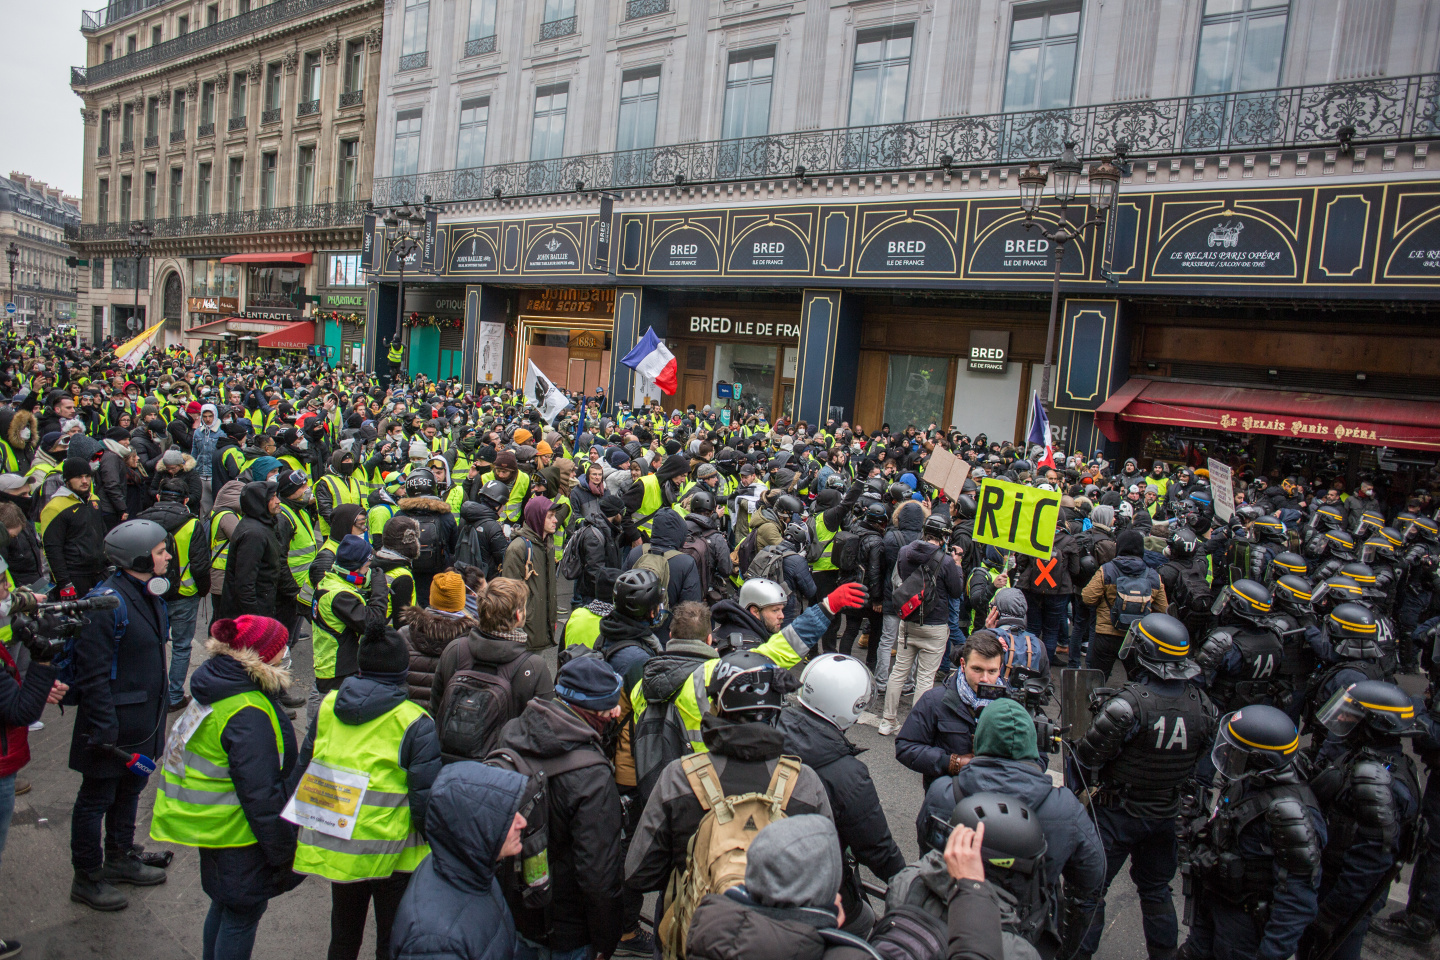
(1354, 632)
(1370, 522)
(875, 517)
(1247, 513)
(702, 501)
(1183, 544)
(1333, 592)
(746, 687)
(788, 508)
(964, 507)
(1287, 563)
(1424, 529)
(1293, 593)
(936, 525)
(1328, 517)
(1254, 741)
(1246, 600)
(1361, 573)
(1269, 530)
(898, 492)
(1373, 704)
(1340, 544)
(1161, 645)
(638, 595)
(1376, 549)
(495, 493)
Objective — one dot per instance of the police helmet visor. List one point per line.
(1318, 595)
(1369, 551)
(1341, 714)
(1234, 758)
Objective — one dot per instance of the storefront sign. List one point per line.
(1226, 244)
(490, 353)
(473, 252)
(444, 304)
(1003, 246)
(571, 301)
(1015, 517)
(586, 345)
(226, 305)
(269, 313)
(344, 301)
(904, 248)
(553, 252)
(600, 261)
(1418, 255)
(427, 240)
(723, 328)
(772, 248)
(989, 351)
(686, 249)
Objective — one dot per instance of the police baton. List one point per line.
(1339, 936)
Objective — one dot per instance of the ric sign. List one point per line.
(1012, 516)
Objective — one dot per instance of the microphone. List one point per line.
(136, 763)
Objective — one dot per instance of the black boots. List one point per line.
(129, 868)
(90, 888)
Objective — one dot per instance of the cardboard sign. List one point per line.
(1222, 489)
(1012, 516)
(946, 471)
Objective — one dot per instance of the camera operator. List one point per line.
(21, 703)
(122, 691)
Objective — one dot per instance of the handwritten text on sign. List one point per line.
(1012, 516)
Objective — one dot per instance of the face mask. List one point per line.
(307, 497)
(302, 444)
(5, 606)
(157, 586)
(25, 434)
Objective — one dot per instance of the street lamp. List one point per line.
(139, 237)
(400, 219)
(1104, 187)
(12, 257)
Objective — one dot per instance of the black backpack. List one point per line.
(430, 561)
(909, 933)
(657, 739)
(845, 551)
(1193, 594)
(918, 595)
(476, 704)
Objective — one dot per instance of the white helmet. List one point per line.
(836, 687)
(762, 593)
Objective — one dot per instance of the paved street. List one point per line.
(164, 922)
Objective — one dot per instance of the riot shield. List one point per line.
(1075, 688)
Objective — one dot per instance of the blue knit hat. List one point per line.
(262, 466)
(352, 553)
(588, 682)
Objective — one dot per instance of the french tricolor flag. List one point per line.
(654, 361)
(1040, 431)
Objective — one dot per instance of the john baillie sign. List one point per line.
(989, 351)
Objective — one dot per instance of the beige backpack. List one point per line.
(716, 854)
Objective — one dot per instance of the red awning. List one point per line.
(1379, 422)
(295, 258)
(297, 336)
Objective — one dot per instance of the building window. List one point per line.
(272, 87)
(747, 94)
(109, 52)
(244, 6)
(407, 143)
(354, 65)
(177, 113)
(212, 14)
(311, 89)
(150, 188)
(474, 121)
(207, 104)
(102, 201)
(349, 169)
(127, 126)
(235, 186)
(97, 273)
(305, 176)
(152, 117)
(639, 103)
(345, 270)
(547, 137)
(269, 166)
(157, 34)
(414, 36)
(882, 76)
(182, 26)
(482, 28)
(130, 44)
(177, 195)
(1241, 45)
(211, 278)
(104, 132)
(202, 190)
(238, 98)
(126, 185)
(558, 19)
(1041, 69)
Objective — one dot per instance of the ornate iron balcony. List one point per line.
(204, 130)
(352, 98)
(127, 146)
(177, 136)
(103, 150)
(236, 123)
(1387, 109)
(480, 46)
(554, 29)
(635, 9)
(152, 140)
(307, 107)
(415, 61)
(270, 116)
(312, 216)
(242, 27)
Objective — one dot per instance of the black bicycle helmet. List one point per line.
(936, 525)
(638, 594)
(788, 507)
(1014, 839)
(964, 507)
(875, 516)
(128, 546)
(702, 501)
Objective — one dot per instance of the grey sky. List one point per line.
(40, 129)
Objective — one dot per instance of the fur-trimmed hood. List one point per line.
(429, 632)
(221, 676)
(18, 421)
(424, 505)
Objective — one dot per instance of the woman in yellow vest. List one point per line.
(372, 743)
(229, 768)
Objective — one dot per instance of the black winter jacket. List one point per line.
(75, 542)
(256, 576)
(949, 582)
(939, 725)
(600, 549)
(109, 483)
(531, 681)
(905, 530)
(1028, 570)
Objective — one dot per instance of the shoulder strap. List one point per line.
(782, 784)
(577, 759)
(700, 771)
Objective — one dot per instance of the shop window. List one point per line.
(915, 391)
(1241, 45)
(747, 94)
(753, 367)
(639, 102)
(272, 286)
(345, 270)
(211, 278)
(882, 76)
(547, 139)
(1041, 70)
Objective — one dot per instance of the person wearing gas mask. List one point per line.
(1244, 652)
(1137, 761)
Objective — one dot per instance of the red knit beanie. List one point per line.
(264, 635)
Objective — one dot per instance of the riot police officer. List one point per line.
(1327, 517)
(1252, 869)
(1379, 553)
(1329, 552)
(1141, 750)
(1348, 644)
(1243, 654)
(1284, 563)
(1294, 617)
(1368, 790)
(1420, 556)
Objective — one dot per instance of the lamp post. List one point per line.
(401, 219)
(1104, 186)
(12, 257)
(138, 237)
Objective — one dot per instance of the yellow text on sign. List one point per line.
(1015, 517)
(341, 798)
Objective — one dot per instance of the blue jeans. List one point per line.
(230, 932)
(1046, 615)
(7, 807)
(1151, 847)
(182, 632)
(530, 950)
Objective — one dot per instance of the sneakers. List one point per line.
(132, 870)
(1405, 927)
(9, 948)
(21, 786)
(37, 726)
(886, 728)
(90, 888)
(640, 945)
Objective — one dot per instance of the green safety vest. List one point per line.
(342, 490)
(652, 502)
(326, 627)
(582, 628)
(393, 576)
(182, 549)
(293, 463)
(376, 518)
(825, 537)
(395, 352)
(559, 538)
(301, 550)
(511, 511)
(201, 809)
(384, 840)
(238, 461)
(455, 497)
(219, 549)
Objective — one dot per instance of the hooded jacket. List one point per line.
(227, 497)
(244, 877)
(173, 516)
(668, 533)
(531, 680)
(189, 474)
(1007, 761)
(481, 541)
(625, 643)
(110, 480)
(597, 541)
(734, 626)
(904, 530)
(1100, 591)
(531, 558)
(948, 580)
(858, 814)
(584, 831)
(13, 424)
(453, 908)
(427, 634)
(256, 574)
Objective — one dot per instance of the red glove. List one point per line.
(847, 596)
(67, 592)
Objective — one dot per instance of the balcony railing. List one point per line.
(236, 28)
(635, 9)
(480, 46)
(177, 136)
(113, 13)
(307, 108)
(204, 130)
(1381, 110)
(352, 98)
(554, 29)
(152, 140)
(313, 216)
(272, 115)
(415, 61)
(103, 150)
(236, 123)
(127, 146)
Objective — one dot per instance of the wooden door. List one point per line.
(693, 360)
(870, 390)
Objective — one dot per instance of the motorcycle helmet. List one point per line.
(797, 535)
(421, 483)
(746, 687)
(898, 491)
(1254, 740)
(964, 507)
(837, 688)
(495, 493)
